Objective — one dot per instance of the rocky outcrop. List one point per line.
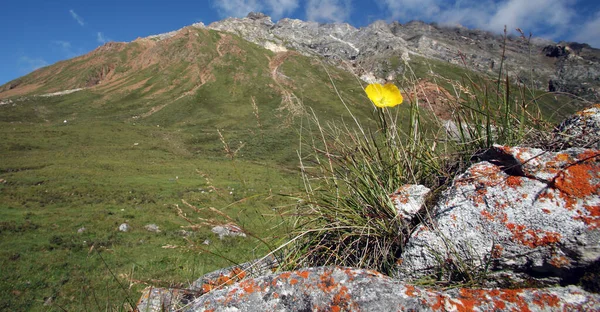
(521, 214)
(379, 48)
(346, 289)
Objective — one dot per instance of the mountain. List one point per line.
(374, 50)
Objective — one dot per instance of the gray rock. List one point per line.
(81, 230)
(229, 229)
(580, 130)
(152, 228)
(156, 299)
(523, 210)
(409, 199)
(185, 233)
(124, 227)
(345, 289)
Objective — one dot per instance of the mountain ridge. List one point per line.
(377, 52)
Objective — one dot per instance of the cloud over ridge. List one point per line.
(77, 18)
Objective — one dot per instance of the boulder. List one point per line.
(522, 213)
(156, 299)
(580, 130)
(346, 289)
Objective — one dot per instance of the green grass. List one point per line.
(60, 177)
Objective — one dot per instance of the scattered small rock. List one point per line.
(124, 227)
(81, 230)
(184, 233)
(228, 230)
(152, 228)
(206, 242)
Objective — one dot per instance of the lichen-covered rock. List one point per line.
(156, 299)
(581, 130)
(345, 289)
(408, 200)
(523, 212)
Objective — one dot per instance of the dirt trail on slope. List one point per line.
(290, 103)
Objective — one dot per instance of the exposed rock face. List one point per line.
(345, 289)
(523, 213)
(377, 48)
(163, 299)
(581, 129)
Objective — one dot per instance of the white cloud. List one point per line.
(590, 31)
(407, 10)
(76, 17)
(328, 10)
(28, 64)
(240, 8)
(279, 8)
(237, 8)
(63, 44)
(101, 38)
(532, 15)
(550, 18)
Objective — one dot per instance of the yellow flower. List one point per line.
(384, 96)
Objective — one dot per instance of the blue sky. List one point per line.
(37, 33)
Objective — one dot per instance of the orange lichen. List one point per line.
(249, 286)
(402, 198)
(532, 238)
(487, 215)
(513, 296)
(497, 251)
(303, 274)
(514, 181)
(559, 261)
(546, 300)
(238, 273)
(234, 276)
(285, 275)
(343, 300)
(327, 283)
(293, 281)
(563, 157)
(207, 288)
(439, 303)
(579, 181)
(593, 217)
(469, 298)
(546, 210)
(410, 291)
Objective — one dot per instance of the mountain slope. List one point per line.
(371, 49)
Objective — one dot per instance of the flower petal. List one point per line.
(384, 96)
